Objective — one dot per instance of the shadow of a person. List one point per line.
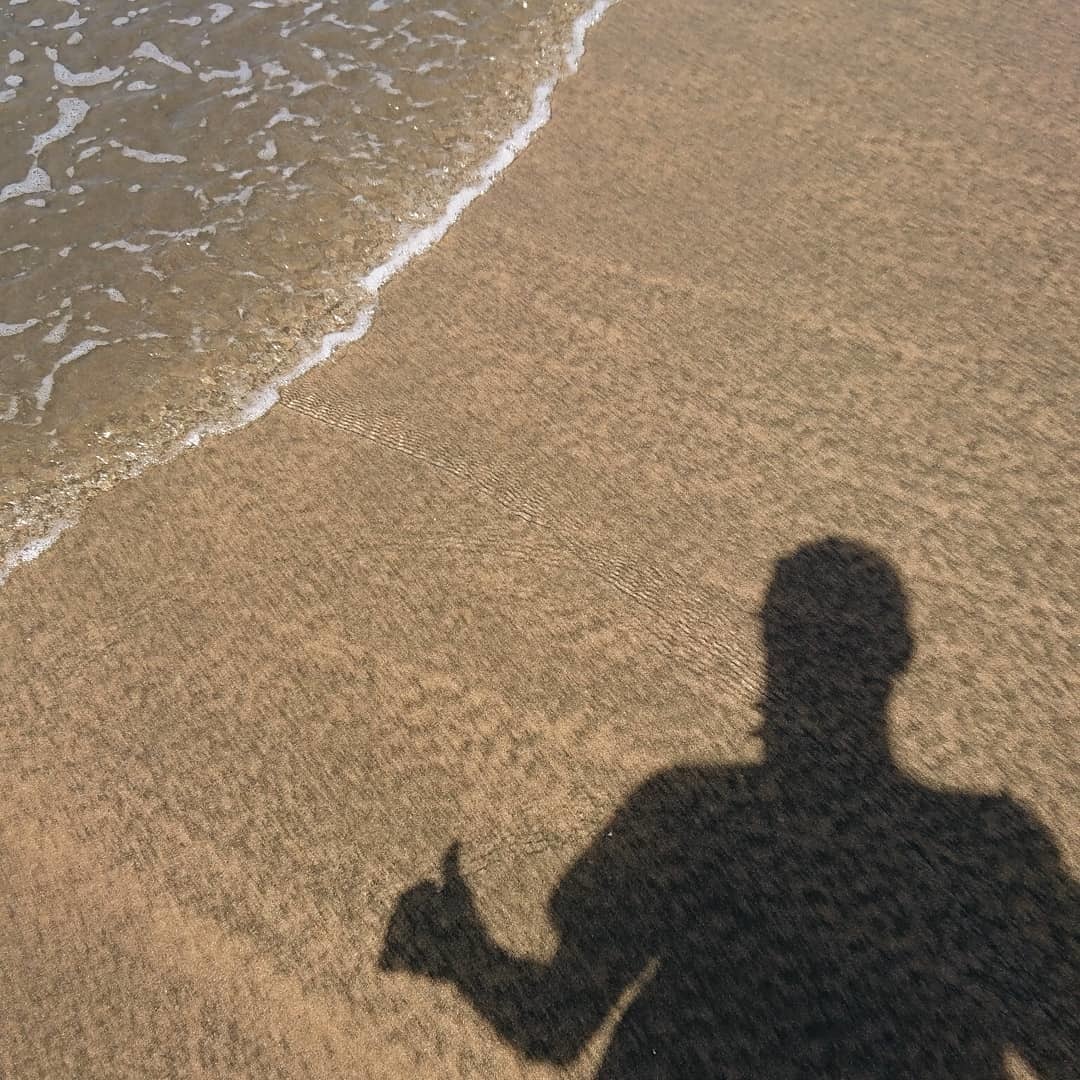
(820, 914)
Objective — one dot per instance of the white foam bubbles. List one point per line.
(45, 387)
(149, 51)
(85, 78)
(8, 329)
(148, 158)
(37, 179)
(72, 112)
(32, 550)
(59, 331)
(120, 245)
(260, 401)
(241, 74)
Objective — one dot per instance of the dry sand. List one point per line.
(772, 272)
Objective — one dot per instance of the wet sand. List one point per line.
(770, 273)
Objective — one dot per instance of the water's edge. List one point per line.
(260, 401)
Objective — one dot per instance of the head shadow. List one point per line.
(835, 633)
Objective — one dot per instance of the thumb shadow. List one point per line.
(428, 927)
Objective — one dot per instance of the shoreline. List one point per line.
(764, 278)
(261, 400)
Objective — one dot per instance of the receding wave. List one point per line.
(206, 206)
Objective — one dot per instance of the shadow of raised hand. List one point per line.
(433, 924)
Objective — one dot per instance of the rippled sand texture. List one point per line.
(772, 273)
(190, 193)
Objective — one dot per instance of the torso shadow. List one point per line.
(868, 930)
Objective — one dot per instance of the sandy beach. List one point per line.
(771, 273)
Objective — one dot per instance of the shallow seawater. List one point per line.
(191, 195)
